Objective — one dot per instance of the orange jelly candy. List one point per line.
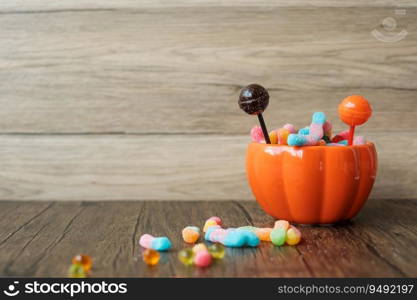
(84, 260)
(150, 257)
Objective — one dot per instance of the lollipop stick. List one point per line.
(351, 133)
(265, 132)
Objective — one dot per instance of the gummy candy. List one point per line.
(77, 271)
(264, 234)
(315, 134)
(212, 221)
(217, 251)
(155, 243)
(202, 259)
(150, 257)
(278, 236)
(282, 135)
(84, 260)
(232, 237)
(190, 234)
(257, 134)
(199, 247)
(290, 128)
(282, 224)
(273, 137)
(186, 256)
(293, 236)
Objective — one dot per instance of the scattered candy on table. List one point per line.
(232, 237)
(186, 256)
(190, 234)
(202, 257)
(77, 271)
(81, 265)
(199, 247)
(84, 260)
(217, 251)
(278, 236)
(264, 234)
(282, 224)
(212, 221)
(150, 257)
(156, 243)
(293, 236)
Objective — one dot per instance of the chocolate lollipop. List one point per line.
(254, 99)
(354, 110)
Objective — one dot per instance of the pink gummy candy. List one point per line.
(257, 134)
(146, 241)
(202, 259)
(216, 219)
(316, 133)
(290, 128)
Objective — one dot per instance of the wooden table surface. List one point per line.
(39, 238)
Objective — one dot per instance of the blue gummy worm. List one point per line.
(161, 243)
(319, 118)
(296, 140)
(304, 131)
(209, 231)
(235, 239)
(252, 239)
(343, 142)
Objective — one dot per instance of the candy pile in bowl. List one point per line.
(353, 110)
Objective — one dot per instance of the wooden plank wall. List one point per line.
(124, 100)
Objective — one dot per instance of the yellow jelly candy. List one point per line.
(293, 236)
(150, 257)
(186, 256)
(273, 137)
(208, 224)
(217, 251)
(282, 135)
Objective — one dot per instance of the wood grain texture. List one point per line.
(123, 100)
(121, 71)
(25, 6)
(164, 167)
(378, 243)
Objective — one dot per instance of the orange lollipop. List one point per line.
(354, 110)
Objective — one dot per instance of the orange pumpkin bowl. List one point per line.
(311, 185)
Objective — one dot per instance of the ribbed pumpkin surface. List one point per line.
(311, 185)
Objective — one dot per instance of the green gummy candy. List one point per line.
(278, 236)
